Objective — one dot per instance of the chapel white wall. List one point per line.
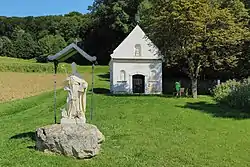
(152, 85)
(111, 75)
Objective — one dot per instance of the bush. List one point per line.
(233, 93)
(42, 59)
(222, 91)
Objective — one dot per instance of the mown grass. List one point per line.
(20, 65)
(139, 130)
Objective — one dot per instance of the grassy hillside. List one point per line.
(23, 78)
(139, 131)
(20, 65)
(15, 85)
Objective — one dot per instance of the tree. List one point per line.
(73, 14)
(198, 33)
(25, 47)
(17, 33)
(112, 21)
(69, 27)
(51, 44)
(42, 34)
(143, 12)
(247, 3)
(6, 47)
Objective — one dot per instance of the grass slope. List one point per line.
(23, 78)
(15, 85)
(139, 130)
(20, 65)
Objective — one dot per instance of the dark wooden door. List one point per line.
(138, 84)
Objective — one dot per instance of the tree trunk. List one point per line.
(194, 87)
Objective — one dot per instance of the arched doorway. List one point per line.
(138, 84)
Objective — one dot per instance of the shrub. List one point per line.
(233, 93)
(222, 91)
(42, 59)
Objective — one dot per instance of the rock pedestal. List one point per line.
(77, 121)
(80, 141)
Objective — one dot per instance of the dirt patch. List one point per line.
(20, 85)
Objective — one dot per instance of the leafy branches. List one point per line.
(201, 33)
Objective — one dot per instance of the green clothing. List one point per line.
(177, 86)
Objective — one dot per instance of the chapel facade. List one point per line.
(136, 66)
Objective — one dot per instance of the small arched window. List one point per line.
(122, 75)
(153, 75)
(137, 50)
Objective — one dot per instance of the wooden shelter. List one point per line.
(62, 56)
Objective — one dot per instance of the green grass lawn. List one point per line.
(139, 130)
(20, 65)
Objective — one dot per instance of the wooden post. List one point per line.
(92, 102)
(55, 70)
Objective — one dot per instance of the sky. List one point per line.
(23, 8)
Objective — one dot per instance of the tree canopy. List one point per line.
(199, 33)
(29, 36)
(52, 44)
(112, 21)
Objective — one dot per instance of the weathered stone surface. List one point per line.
(80, 141)
(75, 121)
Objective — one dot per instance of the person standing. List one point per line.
(178, 88)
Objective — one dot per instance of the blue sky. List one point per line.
(42, 7)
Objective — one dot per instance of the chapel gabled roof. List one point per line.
(138, 35)
(69, 51)
(137, 29)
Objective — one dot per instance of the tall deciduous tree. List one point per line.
(25, 46)
(69, 27)
(199, 33)
(113, 20)
(6, 47)
(51, 44)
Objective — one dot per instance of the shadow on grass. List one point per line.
(30, 135)
(145, 95)
(104, 91)
(26, 135)
(105, 77)
(217, 110)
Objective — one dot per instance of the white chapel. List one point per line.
(136, 66)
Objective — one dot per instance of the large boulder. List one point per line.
(77, 140)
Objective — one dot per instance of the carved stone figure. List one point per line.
(76, 99)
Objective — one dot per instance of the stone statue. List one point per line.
(73, 137)
(76, 99)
